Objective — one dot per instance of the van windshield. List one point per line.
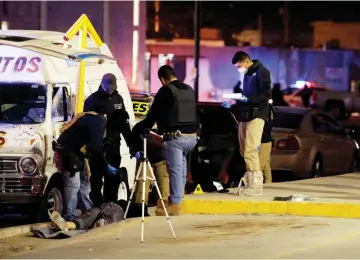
(22, 103)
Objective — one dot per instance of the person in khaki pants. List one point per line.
(266, 147)
(252, 111)
(156, 159)
(162, 179)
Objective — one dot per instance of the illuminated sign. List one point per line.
(19, 64)
(140, 108)
(2, 138)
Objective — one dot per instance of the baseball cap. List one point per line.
(109, 82)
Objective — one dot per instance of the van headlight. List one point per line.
(28, 165)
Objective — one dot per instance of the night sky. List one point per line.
(241, 14)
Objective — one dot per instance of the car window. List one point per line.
(216, 121)
(325, 124)
(287, 119)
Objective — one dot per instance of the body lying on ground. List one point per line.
(104, 214)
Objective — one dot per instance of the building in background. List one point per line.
(121, 24)
(337, 35)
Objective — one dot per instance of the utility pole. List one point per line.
(260, 28)
(286, 22)
(197, 47)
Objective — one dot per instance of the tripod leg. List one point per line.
(144, 178)
(161, 198)
(130, 198)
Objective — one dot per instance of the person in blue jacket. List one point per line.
(252, 112)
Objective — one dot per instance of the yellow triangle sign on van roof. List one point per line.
(84, 27)
(198, 190)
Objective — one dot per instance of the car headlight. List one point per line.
(28, 165)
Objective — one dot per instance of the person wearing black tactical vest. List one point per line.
(174, 112)
(107, 101)
(252, 111)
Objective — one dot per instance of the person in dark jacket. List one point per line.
(80, 139)
(252, 112)
(174, 112)
(266, 146)
(107, 101)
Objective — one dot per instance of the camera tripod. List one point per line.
(144, 163)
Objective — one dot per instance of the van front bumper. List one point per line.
(13, 199)
(21, 190)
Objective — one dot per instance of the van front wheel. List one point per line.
(53, 200)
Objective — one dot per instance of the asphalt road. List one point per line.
(203, 236)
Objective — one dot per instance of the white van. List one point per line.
(38, 75)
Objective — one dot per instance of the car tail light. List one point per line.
(291, 143)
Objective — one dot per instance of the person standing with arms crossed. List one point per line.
(174, 112)
(252, 111)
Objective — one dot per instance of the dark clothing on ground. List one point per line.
(266, 136)
(163, 103)
(110, 212)
(257, 89)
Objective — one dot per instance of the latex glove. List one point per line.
(225, 104)
(111, 170)
(136, 155)
(243, 99)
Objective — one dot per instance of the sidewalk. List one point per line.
(336, 196)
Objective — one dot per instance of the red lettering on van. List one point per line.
(19, 64)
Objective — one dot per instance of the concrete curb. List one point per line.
(309, 209)
(20, 230)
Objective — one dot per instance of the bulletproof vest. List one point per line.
(183, 111)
